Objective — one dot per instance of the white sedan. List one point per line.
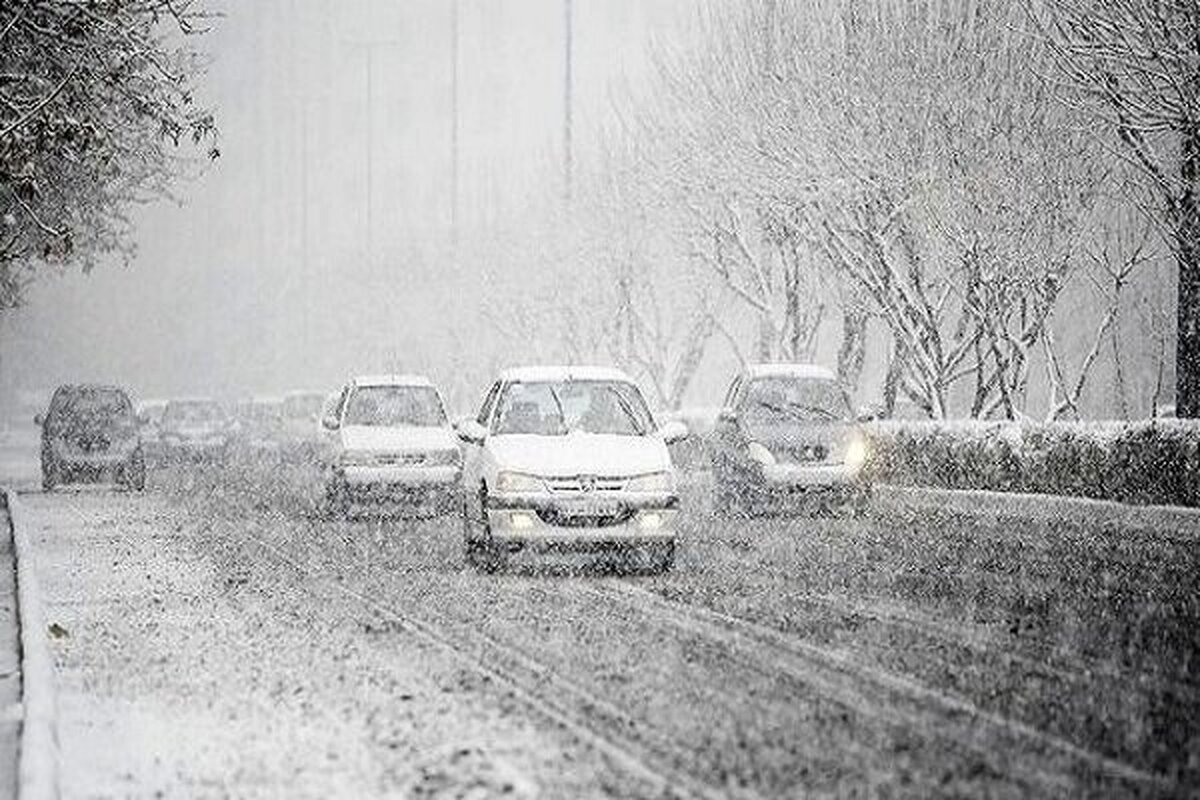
(567, 459)
(391, 442)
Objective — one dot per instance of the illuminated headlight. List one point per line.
(650, 520)
(517, 482)
(856, 454)
(442, 458)
(654, 482)
(521, 520)
(760, 454)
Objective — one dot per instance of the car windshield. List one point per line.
(395, 406)
(193, 412)
(554, 408)
(302, 406)
(93, 404)
(806, 399)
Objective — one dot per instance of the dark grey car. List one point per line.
(786, 439)
(91, 432)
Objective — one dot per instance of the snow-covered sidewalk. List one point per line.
(187, 672)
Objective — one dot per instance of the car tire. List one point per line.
(471, 549)
(491, 557)
(51, 476)
(134, 472)
(728, 502)
(664, 561)
(337, 502)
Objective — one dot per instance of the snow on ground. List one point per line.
(177, 682)
(220, 636)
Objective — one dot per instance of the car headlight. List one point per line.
(514, 482)
(442, 458)
(760, 454)
(654, 482)
(856, 453)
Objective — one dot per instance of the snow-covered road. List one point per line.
(218, 638)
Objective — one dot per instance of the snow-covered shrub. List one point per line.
(1139, 462)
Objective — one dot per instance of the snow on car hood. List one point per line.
(579, 453)
(377, 438)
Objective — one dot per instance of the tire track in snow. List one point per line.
(871, 691)
(628, 742)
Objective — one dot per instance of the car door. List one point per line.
(473, 451)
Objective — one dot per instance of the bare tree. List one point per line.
(1135, 64)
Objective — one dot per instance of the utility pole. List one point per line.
(375, 281)
(567, 92)
(369, 48)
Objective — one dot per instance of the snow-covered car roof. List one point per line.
(812, 371)
(391, 380)
(563, 373)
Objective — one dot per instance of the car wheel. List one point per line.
(471, 554)
(492, 557)
(861, 503)
(50, 474)
(134, 476)
(664, 561)
(727, 499)
(337, 504)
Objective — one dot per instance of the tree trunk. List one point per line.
(1187, 241)
(853, 349)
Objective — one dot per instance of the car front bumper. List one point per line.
(785, 486)
(108, 460)
(565, 524)
(417, 486)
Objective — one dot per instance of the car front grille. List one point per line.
(97, 443)
(586, 484)
(806, 454)
(399, 460)
(553, 516)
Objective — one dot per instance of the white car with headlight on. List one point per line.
(786, 437)
(390, 443)
(567, 459)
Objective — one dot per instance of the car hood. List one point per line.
(376, 438)
(196, 431)
(833, 435)
(579, 453)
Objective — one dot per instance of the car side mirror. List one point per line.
(727, 415)
(868, 414)
(330, 422)
(471, 432)
(39, 420)
(673, 432)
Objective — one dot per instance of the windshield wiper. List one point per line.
(825, 412)
(628, 409)
(562, 415)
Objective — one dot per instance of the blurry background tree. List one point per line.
(1135, 65)
(95, 99)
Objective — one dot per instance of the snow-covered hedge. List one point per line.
(1149, 462)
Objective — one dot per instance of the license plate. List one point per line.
(588, 508)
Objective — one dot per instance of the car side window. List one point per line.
(731, 395)
(485, 411)
(339, 408)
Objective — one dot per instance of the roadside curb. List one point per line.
(1171, 520)
(37, 776)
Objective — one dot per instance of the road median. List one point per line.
(1175, 521)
